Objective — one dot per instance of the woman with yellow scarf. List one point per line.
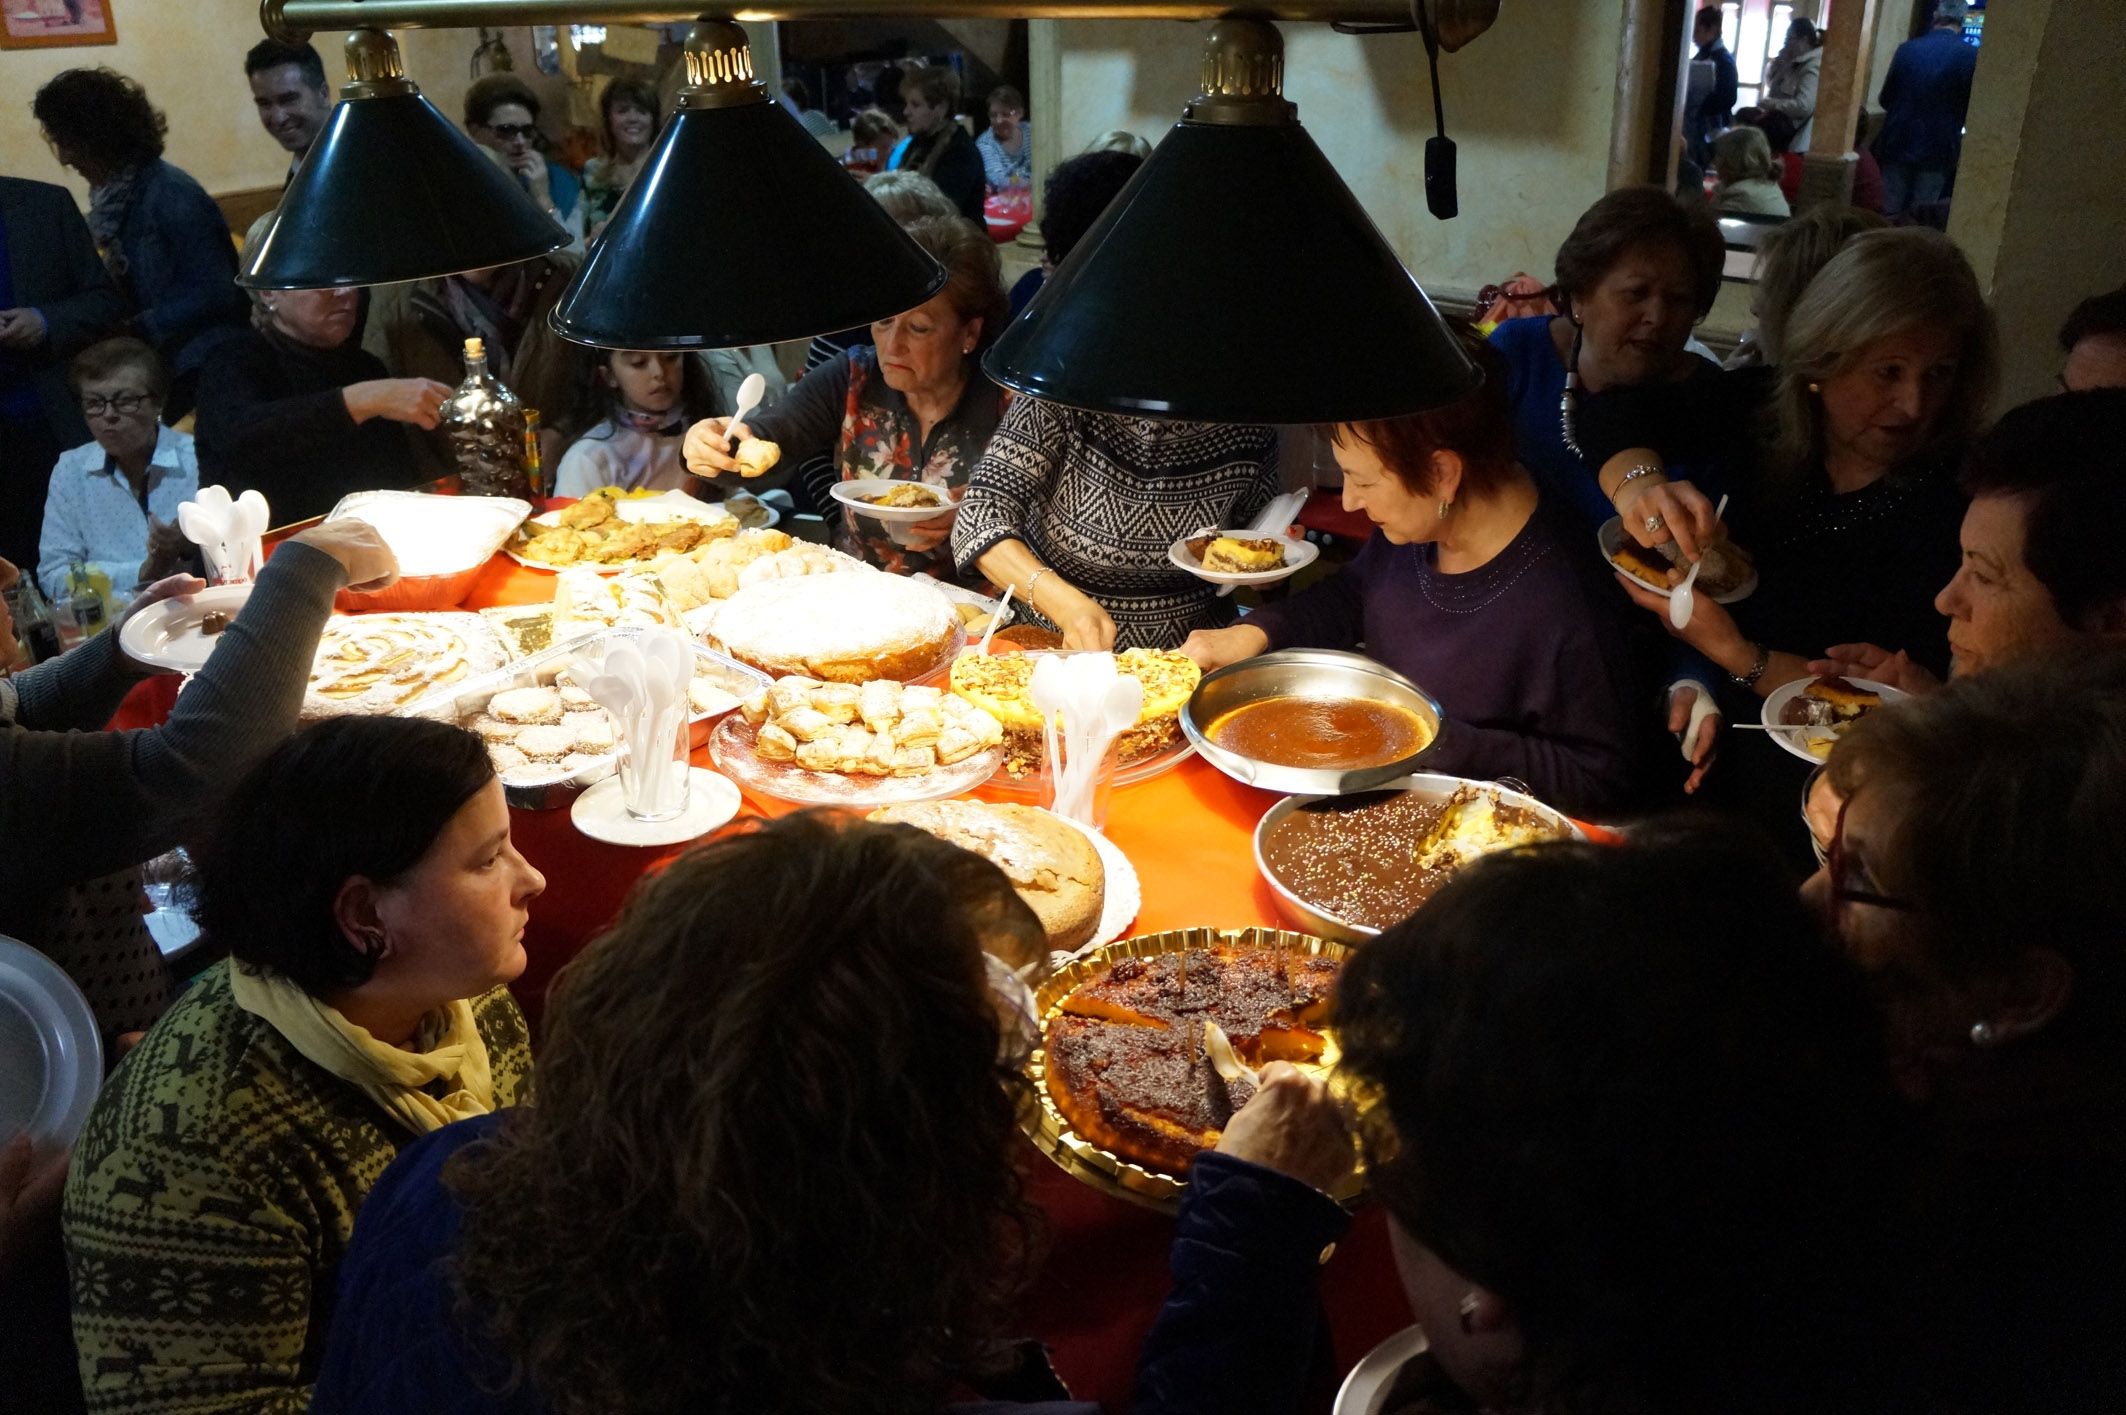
(363, 883)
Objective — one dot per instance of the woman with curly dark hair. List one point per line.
(770, 1167)
(162, 236)
(1633, 1166)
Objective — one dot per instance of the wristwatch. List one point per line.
(1758, 663)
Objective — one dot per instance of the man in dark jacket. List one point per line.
(1926, 95)
(56, 299)
(1712, 113)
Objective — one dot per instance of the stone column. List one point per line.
(1827, 167)
(2039, 206)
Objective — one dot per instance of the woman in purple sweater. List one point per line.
(1480, 589)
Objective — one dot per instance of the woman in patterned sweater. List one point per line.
(363, 880)
(1076, 509)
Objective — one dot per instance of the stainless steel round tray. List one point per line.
(1432, 786)
(1304, 673)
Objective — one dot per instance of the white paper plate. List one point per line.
(1298, 554)
(601, 812)
(1611, 535)
(51, 1055)
(166, 634)
(851, 494)
(1125, 894)
(1797, 739)
(1365, 1390)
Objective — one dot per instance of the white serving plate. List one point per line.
(166, 633)
(1797, 739)
(1298, 554)
(1611, 535)
(601, 812)
(851, 494)
(51, 1055)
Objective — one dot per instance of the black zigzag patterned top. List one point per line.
(1101, 498)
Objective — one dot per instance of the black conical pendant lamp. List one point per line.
(1235, 279)
(740, 229)
(393, 191)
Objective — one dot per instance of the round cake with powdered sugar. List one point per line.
(850, 628)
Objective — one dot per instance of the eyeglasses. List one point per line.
(123, 404)
(1849, 879)
(511, 132)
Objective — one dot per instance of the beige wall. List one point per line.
(1529, 106)
(2038, 206)
(189, 55)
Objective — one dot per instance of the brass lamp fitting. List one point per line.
(1243, 77)
(719, 61)
(375, 68)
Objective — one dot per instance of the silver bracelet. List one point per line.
(1030, 584)
(1643, 469)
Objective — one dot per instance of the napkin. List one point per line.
(641, 682)
(229, 533)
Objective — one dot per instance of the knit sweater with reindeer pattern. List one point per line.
(211, 1198)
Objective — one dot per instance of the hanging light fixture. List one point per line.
(1235, 279)
(393, 191)
(741, 229)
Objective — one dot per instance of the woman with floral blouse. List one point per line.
(913, 405)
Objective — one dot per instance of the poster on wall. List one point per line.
(39, 24)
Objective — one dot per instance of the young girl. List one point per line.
(630, 420)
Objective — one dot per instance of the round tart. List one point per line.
(1001, 684)
(1050, 862)
(850, 628)
(1126, 1063)
(380, 663)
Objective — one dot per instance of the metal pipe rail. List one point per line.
(291, 18)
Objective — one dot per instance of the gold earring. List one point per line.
(1444, 508)
(1466, 1310)
(1815, 388)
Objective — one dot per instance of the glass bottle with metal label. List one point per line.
(484, 423)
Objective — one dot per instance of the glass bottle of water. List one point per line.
(484, 423)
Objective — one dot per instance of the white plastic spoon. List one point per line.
(1003, 608)
(750, 391)
(1683, 603)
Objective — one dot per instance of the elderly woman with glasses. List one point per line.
(112, 504)
(1976, 869)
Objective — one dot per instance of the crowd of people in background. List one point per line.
(1685, 1123)
(1904, 163)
